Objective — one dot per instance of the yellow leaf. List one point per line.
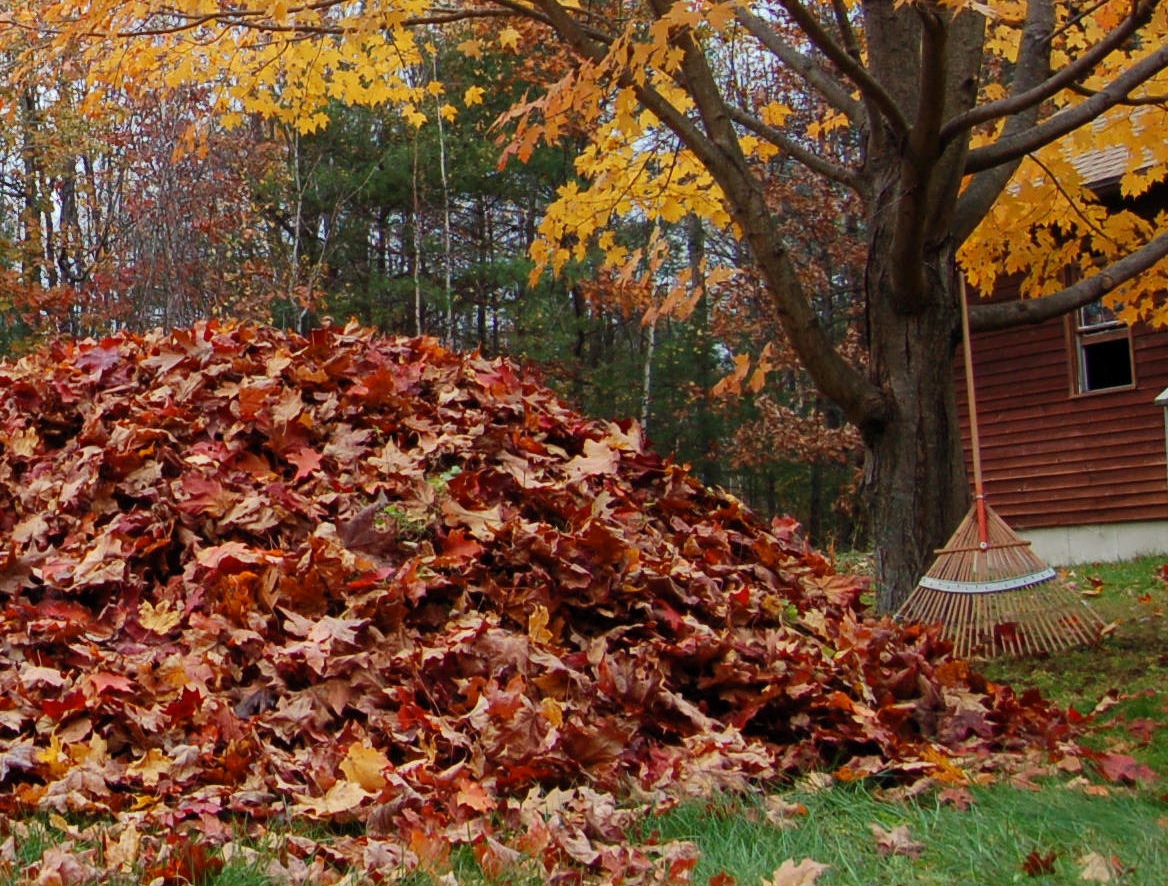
(471, 48)
(413, 116)
(448, 112)
(160, 619)
(509, 38)
(341, 797)
(553, 711)
(775, 114)
(153, 765)
(537, 624)
(718, 15)
(54, 757)
(363, 764)
(473, 96)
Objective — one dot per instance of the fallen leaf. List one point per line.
(1125, 769)
(781, 812)
(1096, 868)
(805, 873)
(59, 866)
(160, 619)
(1039, 864)
(896, 841)
(341, 797)
(959, 798)
(1106, 702)
(364, 765)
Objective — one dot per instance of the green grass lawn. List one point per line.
(1075, 827)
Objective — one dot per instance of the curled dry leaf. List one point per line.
(805, 873)
(897, 841)
(1097, 868)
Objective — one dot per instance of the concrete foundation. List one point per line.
(1101, 543)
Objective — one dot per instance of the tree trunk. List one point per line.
(914, 477)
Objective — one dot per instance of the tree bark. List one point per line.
(914, 474)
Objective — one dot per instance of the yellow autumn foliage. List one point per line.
(289, 60)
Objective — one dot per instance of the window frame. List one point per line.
(1083, 331)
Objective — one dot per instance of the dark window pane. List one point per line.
(1106, 364)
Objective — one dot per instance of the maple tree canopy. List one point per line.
(356, 578)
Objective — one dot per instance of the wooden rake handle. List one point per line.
(983, 535)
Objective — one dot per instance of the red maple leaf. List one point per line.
(307, 461)
(1122, 768)
(1038, 864)
(57, 708)
(183, 707)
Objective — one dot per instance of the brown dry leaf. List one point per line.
(781, 812)
(1108, 700)
(122, 854)
(896, 841)
(1096, 868)
(1039, 864)
(959, 798)
(805, 873)
(61, 867)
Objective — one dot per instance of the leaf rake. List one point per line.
(991, 594)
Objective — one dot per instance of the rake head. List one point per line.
(998, 598)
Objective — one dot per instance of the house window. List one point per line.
(1103, 350)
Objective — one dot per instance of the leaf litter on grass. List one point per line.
(253, 576)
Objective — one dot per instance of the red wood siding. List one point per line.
(1054, 458)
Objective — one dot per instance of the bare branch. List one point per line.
(1003, 315)
(1129, 102)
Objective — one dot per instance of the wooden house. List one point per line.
(1073, 419)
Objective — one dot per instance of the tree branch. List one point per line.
(801, 63)
(719, 150)
(1033, 67)
(1029, 92)
(868, 85)
(1068, 120)
(1003, 315)
(919, 164)
(789, 146)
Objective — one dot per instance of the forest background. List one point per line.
(143, 210)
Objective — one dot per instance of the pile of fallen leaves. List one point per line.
(246, 576)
